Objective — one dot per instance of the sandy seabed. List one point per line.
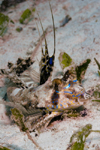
(80, 38)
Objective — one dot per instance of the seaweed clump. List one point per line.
(81, 69)
(76, 71)
(78, 139)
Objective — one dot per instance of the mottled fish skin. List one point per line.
(69, 97)
(46, 65)
(47, 62)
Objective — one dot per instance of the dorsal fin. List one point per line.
(40, 40)
(53, 29)
(47, 62)
(46, 48)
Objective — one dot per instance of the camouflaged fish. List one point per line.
(70, 96)
(40, 105)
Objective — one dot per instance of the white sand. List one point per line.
(80, 38)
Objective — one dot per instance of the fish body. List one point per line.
(54, 98)
(68, 97)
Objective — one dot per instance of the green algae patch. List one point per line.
(19, 119)
(98, 64)
(26, 16)
(19, 29)
(95, 100)
(78, 139)
(33, 10)
(79, 146)
(73, 115)
(65, 60)
(4, 20)
(3, 148)
(81, 69)
(96, 94)
(99, 73)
